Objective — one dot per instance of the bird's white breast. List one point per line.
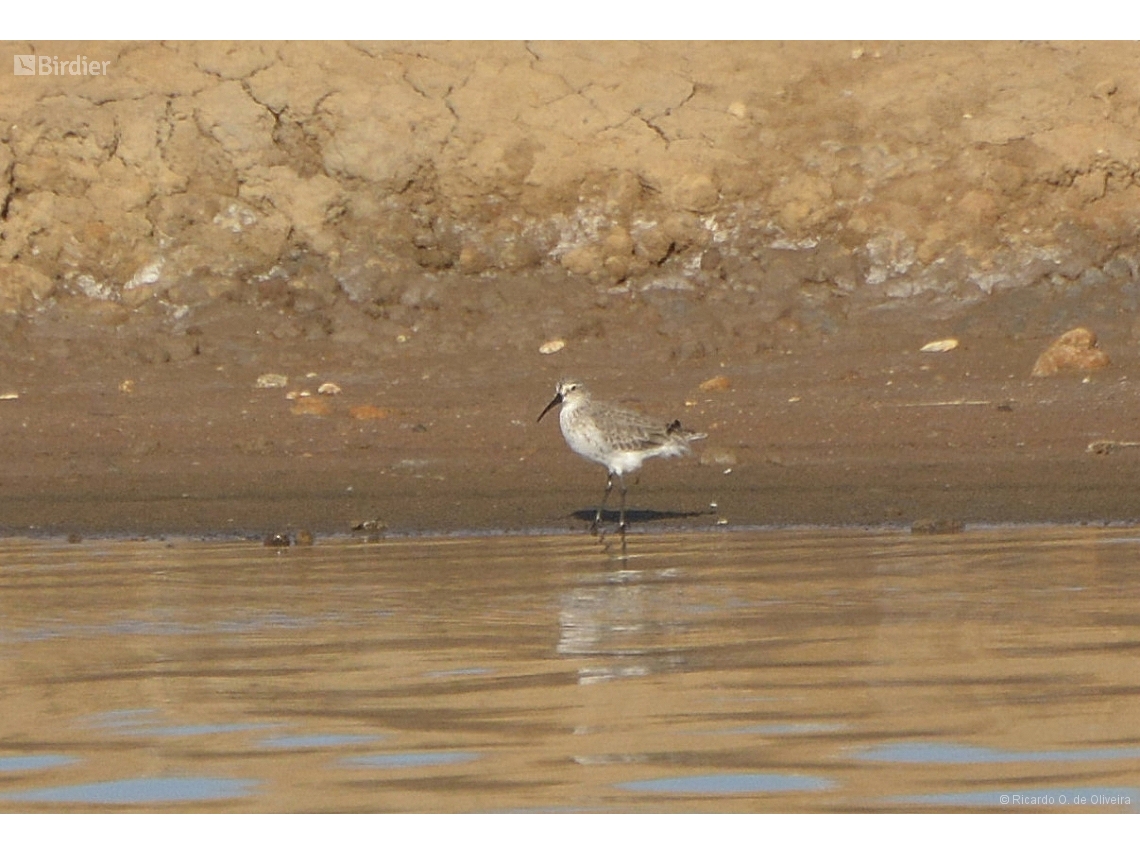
(582, 434)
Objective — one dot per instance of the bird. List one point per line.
(619, 439)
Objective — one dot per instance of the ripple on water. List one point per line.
(412, 759)
(316, 740)
(146, 722)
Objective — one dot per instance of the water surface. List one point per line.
(727, 671)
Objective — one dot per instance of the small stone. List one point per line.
(276, 540)
(328, 389)
(127, 387)
(1076, 350)
(552, 346)
(720, 383)
(271, 381)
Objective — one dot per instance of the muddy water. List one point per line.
(736, 671)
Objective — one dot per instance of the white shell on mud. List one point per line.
(272, 381)
(552, 346)
(940, 346)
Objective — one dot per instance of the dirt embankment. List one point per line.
(872, 171)
(412, 221)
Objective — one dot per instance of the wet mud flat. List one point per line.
(128, 423)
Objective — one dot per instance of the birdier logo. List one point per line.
(30, 64)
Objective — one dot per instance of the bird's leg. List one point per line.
(596, 527)
(621, 516)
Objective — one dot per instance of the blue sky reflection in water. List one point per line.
(931, 752)
(727, 783)
(138, 791)
(32, 762)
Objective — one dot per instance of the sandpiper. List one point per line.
(619, 439)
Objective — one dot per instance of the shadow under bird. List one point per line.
(619, 439)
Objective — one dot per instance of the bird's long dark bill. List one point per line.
(557, 400)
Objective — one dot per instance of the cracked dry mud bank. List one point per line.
(412, 221)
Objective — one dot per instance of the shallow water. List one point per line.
(729, 671)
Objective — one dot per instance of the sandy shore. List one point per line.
(857, 427)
